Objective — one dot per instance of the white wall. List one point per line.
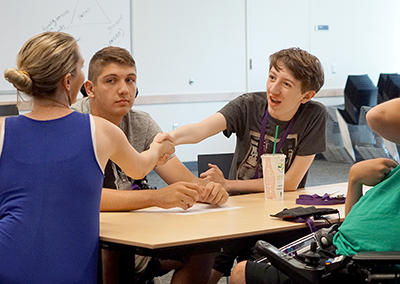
(363, 38)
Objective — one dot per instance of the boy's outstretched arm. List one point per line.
(196, 132)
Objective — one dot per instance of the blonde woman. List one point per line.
(49, 206)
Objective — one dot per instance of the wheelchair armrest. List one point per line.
(377, 257)
(293, 268)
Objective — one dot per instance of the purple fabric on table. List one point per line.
(316, 199)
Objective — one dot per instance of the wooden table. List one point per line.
(151, 232)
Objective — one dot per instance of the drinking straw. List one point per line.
(276, 137)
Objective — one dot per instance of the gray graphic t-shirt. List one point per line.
(244, 117)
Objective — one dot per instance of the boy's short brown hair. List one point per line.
(105, 56)
(305, 67)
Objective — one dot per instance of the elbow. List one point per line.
(140, 175)
(371, 118)
(376, 118)
(290, 186)
(139, 172)
(290, 189)
(104, 208)
(104, 204)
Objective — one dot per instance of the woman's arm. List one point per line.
(112, 144)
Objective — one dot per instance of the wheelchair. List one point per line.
(311, 260)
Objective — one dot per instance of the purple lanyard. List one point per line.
(262, 138)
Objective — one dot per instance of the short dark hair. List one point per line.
(105, 56)
(305, 67)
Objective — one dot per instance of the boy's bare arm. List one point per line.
(181, 194)
(384, 119)
(196, 132)
(292, 177)
(368, 172)
(297, 170)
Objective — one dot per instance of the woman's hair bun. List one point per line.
(20, 79)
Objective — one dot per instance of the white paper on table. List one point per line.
(198, 208)
(334, 189)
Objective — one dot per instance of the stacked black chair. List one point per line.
(383, 87)
(391, 88)
(359, 91)
(360, 95)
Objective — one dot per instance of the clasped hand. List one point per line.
(164, 140)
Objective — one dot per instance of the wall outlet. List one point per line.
(333, 68)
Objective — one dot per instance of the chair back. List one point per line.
(223, 161)
(7, 110)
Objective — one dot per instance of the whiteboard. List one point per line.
(94, 24)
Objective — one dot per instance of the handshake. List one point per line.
(164, 144)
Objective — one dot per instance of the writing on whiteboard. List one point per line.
(53, 24)
(87, 12)
(115, 24)
(118, 34)
(84, 13)
(94, 24)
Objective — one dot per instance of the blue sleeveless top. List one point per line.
(50, 188)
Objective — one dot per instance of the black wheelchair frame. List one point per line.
(369, 267)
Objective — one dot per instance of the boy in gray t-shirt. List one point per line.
(295, 76)
(306, 137)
